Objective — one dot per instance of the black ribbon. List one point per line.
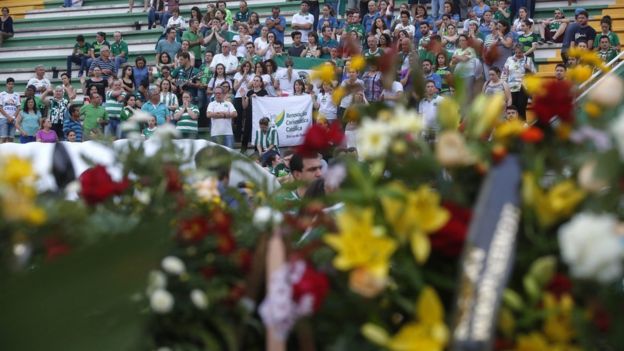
(62, 166)
(488, 257)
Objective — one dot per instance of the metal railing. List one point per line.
(589, 84)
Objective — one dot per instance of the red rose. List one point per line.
(532, 135)
(174, 180)
(559, 284)
(55, 247)
(314, 283)
(449, 240)
(193, 229)
(319, 139)
(559, 101)
(490, 55)
(97, 185)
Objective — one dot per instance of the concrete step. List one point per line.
(41, 53)
(70, 39)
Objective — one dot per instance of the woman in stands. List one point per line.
(385, 42)
(298, 87)
(605, 26)
(95, 81)
(45, 134)
(271, 68)
(141, 75)
(386, 12)
(503, 40)
(219, 77)
(27, 123)
(312, 48)
(127, 80)
(167, 97)
(449, 41)
(254, 25)
(185, 48)
(379, 28)
(495, 85)
(220, 15)
(523, 14)
(6, 25)
(242, 78)
(444, 71)
(69, 92)
(257, 89)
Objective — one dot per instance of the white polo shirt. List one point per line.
(221, 126)
(299, 18)
(230, 62)
(429, 110)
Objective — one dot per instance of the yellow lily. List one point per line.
(324, 73)
(360, 244)
(358, 62)
(415, 215)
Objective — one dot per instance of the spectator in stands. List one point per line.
(404, 25)
(221, 113)
(324, 102)
(27, 122)
(119, 50)
(523, 15)
(299, 88)
(266, 140)
(296, 48)
(30, 93)
(186, 117)
(94, 117)
(168, 45)
(448, 11)
(553, 29)
(167, 97)
(528, 39)
(105, 63)
(71, 136)
(156, 108)
(304, 170)
(40, 82)
(516, 67)
(511, 113)
(130, 108)
(287, 76)
(271, 51)
(449, 40)
(176, 22)
(96, 81)
(243, 14)
(6, 25)
(227, 59)
(444, 71)
(186, 77)
(216, 80)
(502, 39)
(495, 85)
(502, 12)
(606, 52)
(303, 21)
(172, 5)
(9, 111)
(327, 20)
(464, 61)
(605, 26)
(73, 124)
(215, 37)
(424, 35)
(312, 48)
(141, 75)
(394, 94)
(583, 32)
(373, 48)
(560, 71)
(79, 56)
(227, 14)
(242, 79)
(327, 42)
(368, 19)
(351, 84)
(517, 6)
(45, 134)
(155, 13)
(69, 92)
(428, 72)
(219, 17)
(57, 107)
(271, 68)
(480, 8)
(254, 25)
(279, 50)
(373, 84)
(94, 52)
(151, 128)
(485, 27)
(127, 80)
(428, 108)
(379, 28)
(261, 43)
(276, 23)
(568, 36)
(257, 89)
(115, 99)
(195, 41)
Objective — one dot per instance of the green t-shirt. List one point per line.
(527, 40)
(118, 48)
(186, 123)
(82, 49)
(126, 113)
(356, 27)
(608, 55)
(613, 39)
(377, 53)
(38, 103)
(213, 44)
(191, 37)
(112, 106)
(206, 74)
(90, 116)
(97, 46)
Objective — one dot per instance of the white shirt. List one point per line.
(239, 77)
(429, 110)
(178, 23)
(347, 100)
(261, 44)
(286, 84)
(10, 102)
(327, 107)
(395, 90)
(299, 18)
(409, 29)
(221, 126)
(38, 83)
(230, 62)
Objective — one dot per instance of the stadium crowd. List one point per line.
(207, 67)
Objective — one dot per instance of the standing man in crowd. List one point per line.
(228, 59)
(154, 107)
(276, 24)
(9, 110)
(195, 40)
(303, 21)
(221, 113)
(428, 108)
(40, 82)
(168, 44)
(119, 51)
(79, 56)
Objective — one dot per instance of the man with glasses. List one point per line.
(221, 113)
(552, 29)
(227, 59)
(168, 44)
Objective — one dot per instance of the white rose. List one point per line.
(373, 139)
(591, 247)
(173, 265)
(199, 299)
(161, 301)
(143, 197)
(608, 91)
(166, 131)
(452, 151)
(265, 215)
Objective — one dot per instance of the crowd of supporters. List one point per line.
(207, 67)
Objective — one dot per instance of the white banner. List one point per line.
(291, 116)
